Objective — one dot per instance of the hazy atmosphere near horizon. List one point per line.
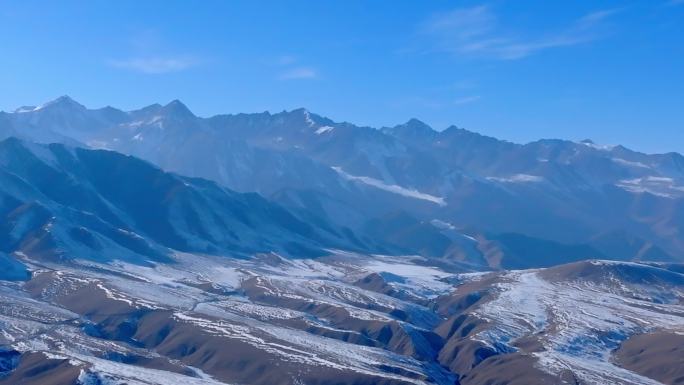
(352, 192)
(520, 71)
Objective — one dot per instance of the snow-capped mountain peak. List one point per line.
(64, 103)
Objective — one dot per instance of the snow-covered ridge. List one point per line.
(316, 315)
(226, 310)
(578, 322)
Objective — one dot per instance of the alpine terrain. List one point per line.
(155, 246)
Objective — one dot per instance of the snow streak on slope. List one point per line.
(391, 187)
(108, 372)
(660, 186)
(517, 178)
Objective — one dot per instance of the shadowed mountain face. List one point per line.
(62, 202)
(608, 201)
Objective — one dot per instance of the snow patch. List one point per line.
(423, 281)
(628, 163)
(324, 129)
(601, 147)
(410, 193)
(517, 178)
(442, 225)
(308, 120)
(660, 186)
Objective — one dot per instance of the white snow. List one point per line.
(517, 178)
(114, 373)
(307, 119)
(324, 129)
(420, 280)
(25, 109)
(395, 189)
(443, 225)
(601, 147)
(656, 185)
(304, 348)
(579, 323)
(628, 163)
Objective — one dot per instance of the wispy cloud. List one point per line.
(292, 67)
(299, 73)
(591, 19)
(286, 60)
(155, 65)
(476, 31)
(149, 53)
(467, 99)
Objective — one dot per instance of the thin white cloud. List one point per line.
(155, 65)
(286, 60)
(292, 68)
(467, 99)
(591, 19)
(299, 73)
(476, 31)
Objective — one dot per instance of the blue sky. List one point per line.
(612, 71)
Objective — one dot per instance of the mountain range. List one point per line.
(155, 247)
(454, 194)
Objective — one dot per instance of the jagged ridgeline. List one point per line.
(453, 195)
(155, 247)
